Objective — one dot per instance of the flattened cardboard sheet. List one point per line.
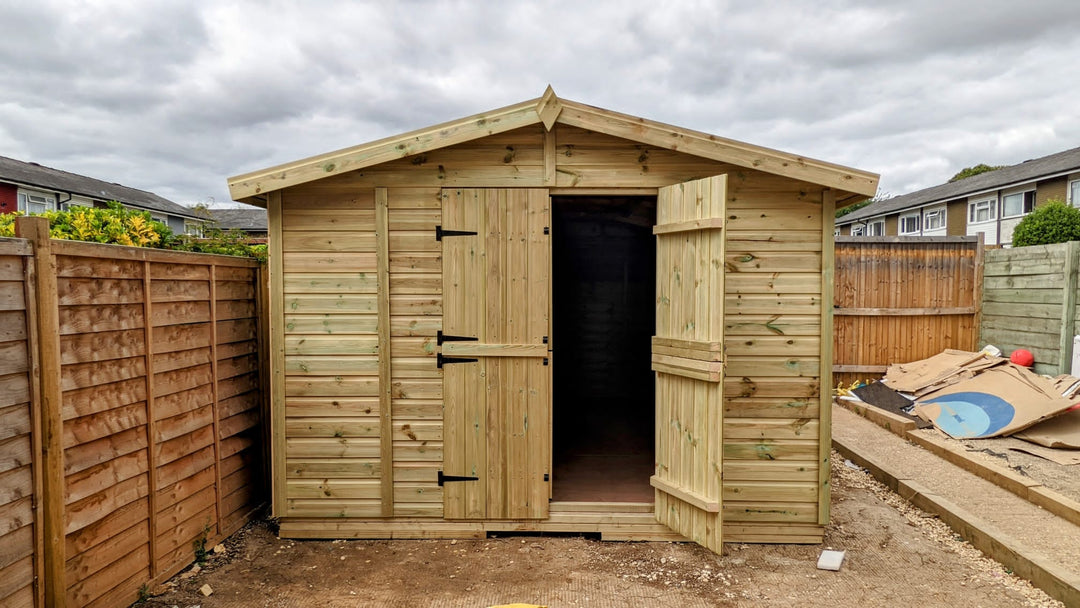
(998, 401)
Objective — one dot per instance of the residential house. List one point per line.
(33, 188)
(250, 220)
(990, 203)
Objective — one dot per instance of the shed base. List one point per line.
(613, 521)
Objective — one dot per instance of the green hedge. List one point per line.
(118, 225)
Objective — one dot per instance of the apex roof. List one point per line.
(548, 110)
(1029, 170)
(33, 174)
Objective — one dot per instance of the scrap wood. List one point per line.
(943, 369)
(999, 401)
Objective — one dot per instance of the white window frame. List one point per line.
(857, 230)
(903, 230)
(875, 228)
(989, 204)
(1026, 197)
(836, 232)
(1074, 193)
(937, 213)
(194, 228)
(69, 204)
(40, 201)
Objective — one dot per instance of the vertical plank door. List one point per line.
(687, 355)
(496, 372)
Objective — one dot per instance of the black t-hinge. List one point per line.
(441, 360)
(445, 478)
(440, 233)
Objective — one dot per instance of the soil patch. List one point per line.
(897, 555)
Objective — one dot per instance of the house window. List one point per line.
(193, 228)
(933, 220)
(71, 204)
(36, 203)
(857, 230)
(1074, 193)
(876, 228)
(909, 224)
(1018, 204)
(836, 232)
(982, 211)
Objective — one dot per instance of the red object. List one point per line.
(1022, 356)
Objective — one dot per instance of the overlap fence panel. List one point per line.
(147, 367)
(901, 299)
(20, 487)
(1029, 301)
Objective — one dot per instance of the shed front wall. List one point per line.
(330, 468)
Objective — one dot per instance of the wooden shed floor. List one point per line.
(606, 477)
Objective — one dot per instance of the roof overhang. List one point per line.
(549, 110)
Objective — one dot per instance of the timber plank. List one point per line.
(95, 318)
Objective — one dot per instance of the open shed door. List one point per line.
(494, 353)
(687, 355)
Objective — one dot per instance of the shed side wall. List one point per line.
(773, 346)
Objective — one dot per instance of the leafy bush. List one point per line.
(112, 224)
(118, 225)
(224, 242)
(1054, 222)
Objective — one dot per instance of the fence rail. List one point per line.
(900, 299)
(130, 401)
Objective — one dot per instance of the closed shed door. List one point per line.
(494, 353)
(687, 355)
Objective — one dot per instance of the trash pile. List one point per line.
(973, 395)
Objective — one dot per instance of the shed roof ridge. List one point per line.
(248, 186)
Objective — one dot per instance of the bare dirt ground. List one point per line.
(896, 556)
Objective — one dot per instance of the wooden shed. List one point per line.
(552, 317)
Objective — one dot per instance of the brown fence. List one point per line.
(130, 403)
(900, 299)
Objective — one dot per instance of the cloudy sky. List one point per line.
(174, 97)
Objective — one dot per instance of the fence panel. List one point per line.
(20, 529)
(1029, 301)
(900, 299)
(157, 382)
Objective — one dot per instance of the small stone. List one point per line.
(219, 549)
(206, 590)
(453, 542)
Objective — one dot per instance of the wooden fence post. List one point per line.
(46, 309)
(977, 295)
(1068, 306)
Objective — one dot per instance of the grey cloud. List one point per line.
(173, 97)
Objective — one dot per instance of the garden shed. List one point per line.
(552, 317)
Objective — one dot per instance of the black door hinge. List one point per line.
(445, 478)
(547, 230)
(440, 233)
(441, 337)
(546, 361)
(547, 477)
(441, 360)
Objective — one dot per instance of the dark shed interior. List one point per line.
(604, 275)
